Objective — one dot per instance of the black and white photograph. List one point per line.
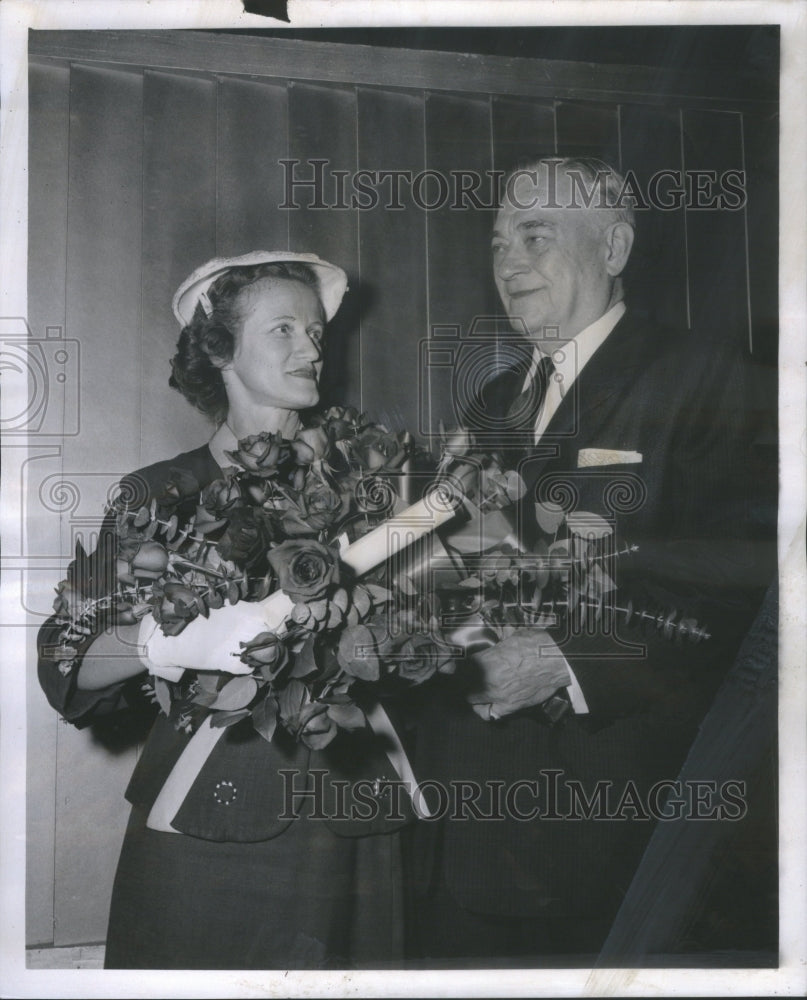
(404, 497)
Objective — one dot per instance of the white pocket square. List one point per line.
(606, 456)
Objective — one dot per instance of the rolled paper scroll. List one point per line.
(398, 532)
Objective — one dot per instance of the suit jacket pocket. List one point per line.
(245, 789)
(588, 457)
(250, 790)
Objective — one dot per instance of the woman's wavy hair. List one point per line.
(210, 339)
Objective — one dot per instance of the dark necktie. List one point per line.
(526, 408)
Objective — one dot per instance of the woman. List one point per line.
(243, 867)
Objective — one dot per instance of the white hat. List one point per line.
(332, 279)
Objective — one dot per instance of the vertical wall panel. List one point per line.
(461, 285)
(588, 130)
(393, 260)
(179, 234)
(656, 277)
(48, 112)
(103, 259)
(103, 298)
(521, 130)
(252, 139)
(322, 125)
(716, 236)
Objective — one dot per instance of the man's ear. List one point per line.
(619, 243)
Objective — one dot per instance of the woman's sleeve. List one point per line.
(90, 576)
(76, 706)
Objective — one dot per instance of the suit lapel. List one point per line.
(608, 373)
(628, 349)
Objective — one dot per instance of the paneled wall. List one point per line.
(152, 152)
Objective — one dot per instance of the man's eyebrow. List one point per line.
(532, 223)
(526, 224)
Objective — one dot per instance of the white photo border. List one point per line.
(790, 979)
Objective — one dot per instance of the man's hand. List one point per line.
(520, 671)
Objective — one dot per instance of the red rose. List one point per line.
(305, 569)
(341, 422)
(220, 497)
(260, 454)
(175, 605)
(310, 444)
(266, 653)
(320, 506)
(419, 658)
(247, 536)
(378, 449)
(140, 560)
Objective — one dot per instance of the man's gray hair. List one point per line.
(592, 172)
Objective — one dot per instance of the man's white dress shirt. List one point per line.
(569, 360)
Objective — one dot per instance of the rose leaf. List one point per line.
(347, 715)
(264, 717)
(304, 662)
(163, 692)
(380, 595)
(236, 694)
(291, 698)
(317, 740)
(221, 719)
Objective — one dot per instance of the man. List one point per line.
(647, 429)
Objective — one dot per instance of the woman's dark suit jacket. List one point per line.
(263, 807)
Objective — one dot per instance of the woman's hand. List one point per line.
(211, 643)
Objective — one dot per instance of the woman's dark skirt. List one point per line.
(306, 899)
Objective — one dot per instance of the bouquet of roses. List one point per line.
(565, 583)
(285, 521)
(279, 521)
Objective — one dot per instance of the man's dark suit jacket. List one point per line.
(696, 505)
